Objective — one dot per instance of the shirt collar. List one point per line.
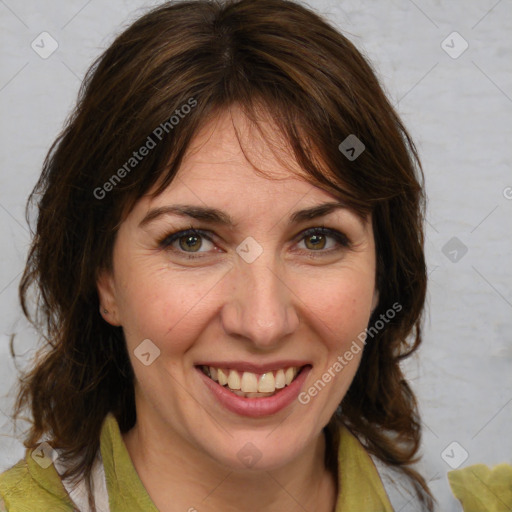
(126, 491)
(359, 484)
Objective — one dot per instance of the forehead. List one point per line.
(230, 155)
(231, 133)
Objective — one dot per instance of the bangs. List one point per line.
(287, 132)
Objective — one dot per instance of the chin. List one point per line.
(266, 450)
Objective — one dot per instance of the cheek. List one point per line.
(170, 308)
(339, 304)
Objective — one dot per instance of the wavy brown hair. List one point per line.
(318, 89)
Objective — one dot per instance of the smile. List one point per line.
(252, 385)
(253, 390)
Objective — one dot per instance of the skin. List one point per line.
(297, 300)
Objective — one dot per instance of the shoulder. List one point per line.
(478, 485)
(399, 488)
(393, 487)
(28, 487)
(15, 484)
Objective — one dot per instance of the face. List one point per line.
(268, 288)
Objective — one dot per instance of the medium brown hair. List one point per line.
(318, 90)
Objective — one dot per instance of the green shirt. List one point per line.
(479, 488)
(27, 487)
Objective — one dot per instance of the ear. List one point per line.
(107, 296)
(375, 300)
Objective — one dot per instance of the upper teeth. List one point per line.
(250, 382)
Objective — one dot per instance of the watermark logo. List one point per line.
(454, 45)
(351, 147)
(454, 249)
(146, 352)
(44, 45)
(249, 455)
(249, 250)
(44, 455)
(150, 143)
(454, 455)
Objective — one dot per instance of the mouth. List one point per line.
(253, 390)
(248, 384)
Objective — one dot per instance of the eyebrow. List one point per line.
(215, 216)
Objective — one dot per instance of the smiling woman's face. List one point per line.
(259, 288)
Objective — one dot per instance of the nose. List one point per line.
(261, 306)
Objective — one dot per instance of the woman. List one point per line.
(229, 259)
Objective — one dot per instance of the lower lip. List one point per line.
(256, 407)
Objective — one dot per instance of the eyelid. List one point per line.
(339, 236)
(169, 238)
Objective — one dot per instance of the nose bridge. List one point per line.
(260, 307)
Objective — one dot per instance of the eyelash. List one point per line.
(340, 238)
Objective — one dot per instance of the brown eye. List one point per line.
(315, 241)
(321, 241)
(190, 243)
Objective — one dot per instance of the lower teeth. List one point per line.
(250, 395)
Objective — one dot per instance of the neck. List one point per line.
(177, 477)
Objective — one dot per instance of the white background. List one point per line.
(459, 111)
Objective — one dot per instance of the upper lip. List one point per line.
(244, 366)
